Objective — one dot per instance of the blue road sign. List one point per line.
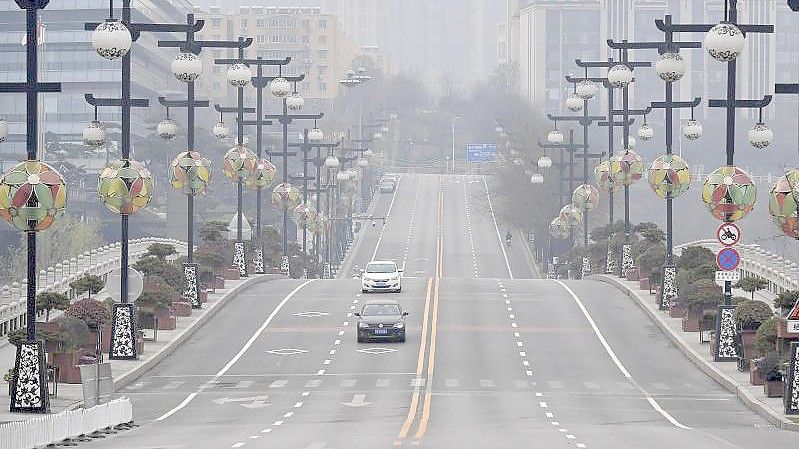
(728, 259)
(482, 152)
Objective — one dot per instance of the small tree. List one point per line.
(751, 284)
(750, 314)
(93, 313)
(17, 337)
(89, 283)
(160, 250)
(48, 301)
(767, 335)
(786, 300)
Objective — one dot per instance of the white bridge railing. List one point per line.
(100, 262)
(782, 274)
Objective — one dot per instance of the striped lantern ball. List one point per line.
(585, 197)
(125, 186)
(627, 168)
(783, 204)
(239, 163)
(286, 195)
(304, 215)
(32, 196)
(571, 215)
(262, 175)
(602, 176)
(729, 193)
(669, 176)
(190, 172)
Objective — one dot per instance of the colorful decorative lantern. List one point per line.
(239, 75)
(783, 204)
(187, 67)
(286, 195)
(262, 176)
(32, 196)
(585, 197)
(559, 229)
(729, 193)
(125, 186)
(724, 42)
(602, 176)
(571, 216)
(669, 176)
(190, 172)
(111, 39)
(627, 168)
(239, 163)
(670, 67)
(304, 215)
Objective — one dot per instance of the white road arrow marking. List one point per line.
(255, 404)
(227, 400)
(320, 445)
(359, 400)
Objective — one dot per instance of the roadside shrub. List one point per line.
(750, 314)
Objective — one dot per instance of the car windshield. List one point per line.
(381, 268)
(380, 310)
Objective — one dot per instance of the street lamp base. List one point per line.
(240, 258)
(626, 259)
(258, 261)
(192, 292)
(669, 291)
(611, 265)
(725, 350)
(123, 333)
(29, 392)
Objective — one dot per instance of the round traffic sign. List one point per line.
(113, 285)
(728, 259)
(728, 234)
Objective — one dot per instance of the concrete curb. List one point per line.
(130, 376)
(708, 368)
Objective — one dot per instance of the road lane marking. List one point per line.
(496, 226)
(241, 352)
(616, 360)
(406, 426)
(388, 215)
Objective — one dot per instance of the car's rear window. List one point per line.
(381, 268)
(380, 310)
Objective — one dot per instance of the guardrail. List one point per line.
(782, 274)
(100, 262)
(71, 425)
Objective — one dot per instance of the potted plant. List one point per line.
(698, 296)
(66, 340)
(770, 366)
(96, 315)
(155, 305)
(47, 301)
(748, 316)
(756, 376)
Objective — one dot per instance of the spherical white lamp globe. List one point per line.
(332, 162)
(94, 134)
(3, 129)
(670, 67)
(620, 76)
(544, 162)
(537, 178)
(111, 39)
(555, 136)
(574, 103)
(221, 130)
(187, 67)
(368, 153)
(295, 102)
(280, 87)
(586, 90)
(343, 176)
(239, 75)
(724, 42)
(362, 162)
(692, 129)
(761, 136)
(646, 132)
(167, 129)
(316, 135)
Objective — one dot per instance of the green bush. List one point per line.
(48, 301)
(153, 267)
(700, 295)
(770, 366)
(160, 250)
(767, 335)
(751, 284)
(750, 314)
(94, 313)
(786, 300)
(89, 283)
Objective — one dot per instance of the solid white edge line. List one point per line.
(616, 360)
(241, 352)
(388, 214)
(499, 236)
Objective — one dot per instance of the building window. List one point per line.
(306, 23)
(216, 23)
(322, 86)
(323, 23)
(243, 24)
(260, 39)
(322, 70)
(260, 23)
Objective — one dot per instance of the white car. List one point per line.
(381, 276)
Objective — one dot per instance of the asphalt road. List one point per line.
(493, 358)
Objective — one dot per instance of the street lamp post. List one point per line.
(724, 41)
(113, 39)
(182, 165)
(318, 190)
(29, 390)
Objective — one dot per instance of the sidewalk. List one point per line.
(126, 372)
(725, 374)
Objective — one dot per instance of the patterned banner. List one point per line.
(586, 267)
(123, 334)
(725, 335)
(551, 273)
(29, 392)
(791, 397)
(611, 264)
(192, 292)
(284, 265)
(669, 292)
(326, 274)
(258, 261)
(240, 258)
(626, 259)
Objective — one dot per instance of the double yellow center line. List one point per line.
(429, 328)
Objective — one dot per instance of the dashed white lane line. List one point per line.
(496, 226)
(385, 222)
(616, 360)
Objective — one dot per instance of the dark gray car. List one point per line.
(381, 319)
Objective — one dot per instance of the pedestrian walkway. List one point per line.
(125, 372)
(725, 373)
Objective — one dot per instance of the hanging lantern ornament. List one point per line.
(585, 197)
(692, 129)
(187, 67)
(221, 130)
(362, 162)
(316, 135)
(559, 229)
(586, 90)
(670, 67)
(280, 87)
(368, 153)
(545, 162)
(111, 39)
(724, 42)
(555, 136)
(239, 75)
(190, 173)
(32, 196)
(602, 176)
(94, 134)
(343, 176)
(239, 162)
(167, 129)
(620, 76)
(304, 215)
(783, 204)
(729, 193)
(286, 195)
(669, 176)
(125, 186)
(3, 129)
(262, 175)
(646, 132)
(571, 216)
(537, 178)
(295, 102)
(760, 135)
(574, 103)
(626, 168)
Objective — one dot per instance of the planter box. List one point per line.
(67, 363)
(755, 376)
(749, 343)
(106, 342)
(675, 311)
(167, 323)
(181, 308)
(774, 388)
(632, 274)
(232, 274)
(219, 283)
(643, 284)
(203, 296)
(690, 323)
